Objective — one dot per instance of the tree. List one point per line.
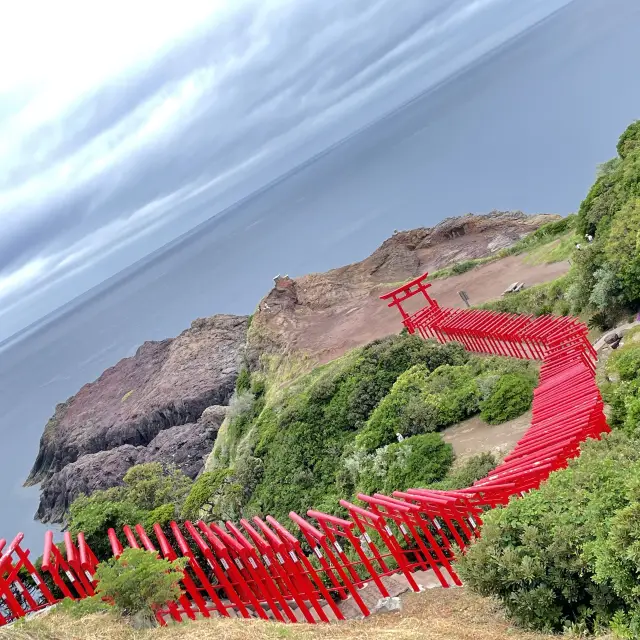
(151, 493)
(151, 485)
(629, 140)
(622, 249)
(101, 511)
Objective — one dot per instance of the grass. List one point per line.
(438, 614)
(556, 251)
(553, 242)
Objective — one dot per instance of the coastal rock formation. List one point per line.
(165, 386)
(166, 403)
(185, 446)
(322, 315)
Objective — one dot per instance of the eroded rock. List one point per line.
(122, 417)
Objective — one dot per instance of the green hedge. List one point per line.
(510, 398)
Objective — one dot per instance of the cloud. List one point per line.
(120, 118)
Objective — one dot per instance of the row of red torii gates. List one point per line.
(258, 568)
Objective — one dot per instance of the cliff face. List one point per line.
(323, 315)
(144, 408)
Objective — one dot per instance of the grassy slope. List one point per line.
(452, 614)
(283, 376)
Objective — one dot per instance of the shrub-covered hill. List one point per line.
(603, 284)
(336, 430)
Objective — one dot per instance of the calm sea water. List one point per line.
(522, 130)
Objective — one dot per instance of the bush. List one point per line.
(204, 494)
(622, 249)
(464, 476)
(629, 140)
(417, 462)
(152, 485)
(511, 397)
(414, 462)
(79, 609)
(101, 511)
(138, 581)
(302, 437)
(626, 362)
(151, 493)
(420, 402)
(565, 554)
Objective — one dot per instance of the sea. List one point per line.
(523, 127)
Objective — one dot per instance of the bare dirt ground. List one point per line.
(322, 315)
(475, 436)
(331, 334)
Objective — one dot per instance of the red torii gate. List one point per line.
(401, 294)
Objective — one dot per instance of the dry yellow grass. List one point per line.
(453, 614)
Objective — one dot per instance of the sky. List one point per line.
(124, 124)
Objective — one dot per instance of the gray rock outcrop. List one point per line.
(145, 408)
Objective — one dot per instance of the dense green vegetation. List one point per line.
(331, 435)
(151, 493)
(568, 554)
(604, 280)
(335, 432)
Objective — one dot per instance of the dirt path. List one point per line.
(475, 436)
(335, 331)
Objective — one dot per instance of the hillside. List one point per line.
(149, 408)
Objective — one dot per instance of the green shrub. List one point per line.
(465, 475)
(138, 581)
(302, 439)
(415, 462)
(101, 511)
(622, 249)
(511, 397)
(79, 609)
(626, 362)
(420, 402)
(563, 554)
(151, 493)
(204, 493)
(629, 140)
(152, 485)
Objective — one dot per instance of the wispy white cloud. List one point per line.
(120, 118)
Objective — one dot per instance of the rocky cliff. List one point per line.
(324, 314)
(145, 408)
(166, 403)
